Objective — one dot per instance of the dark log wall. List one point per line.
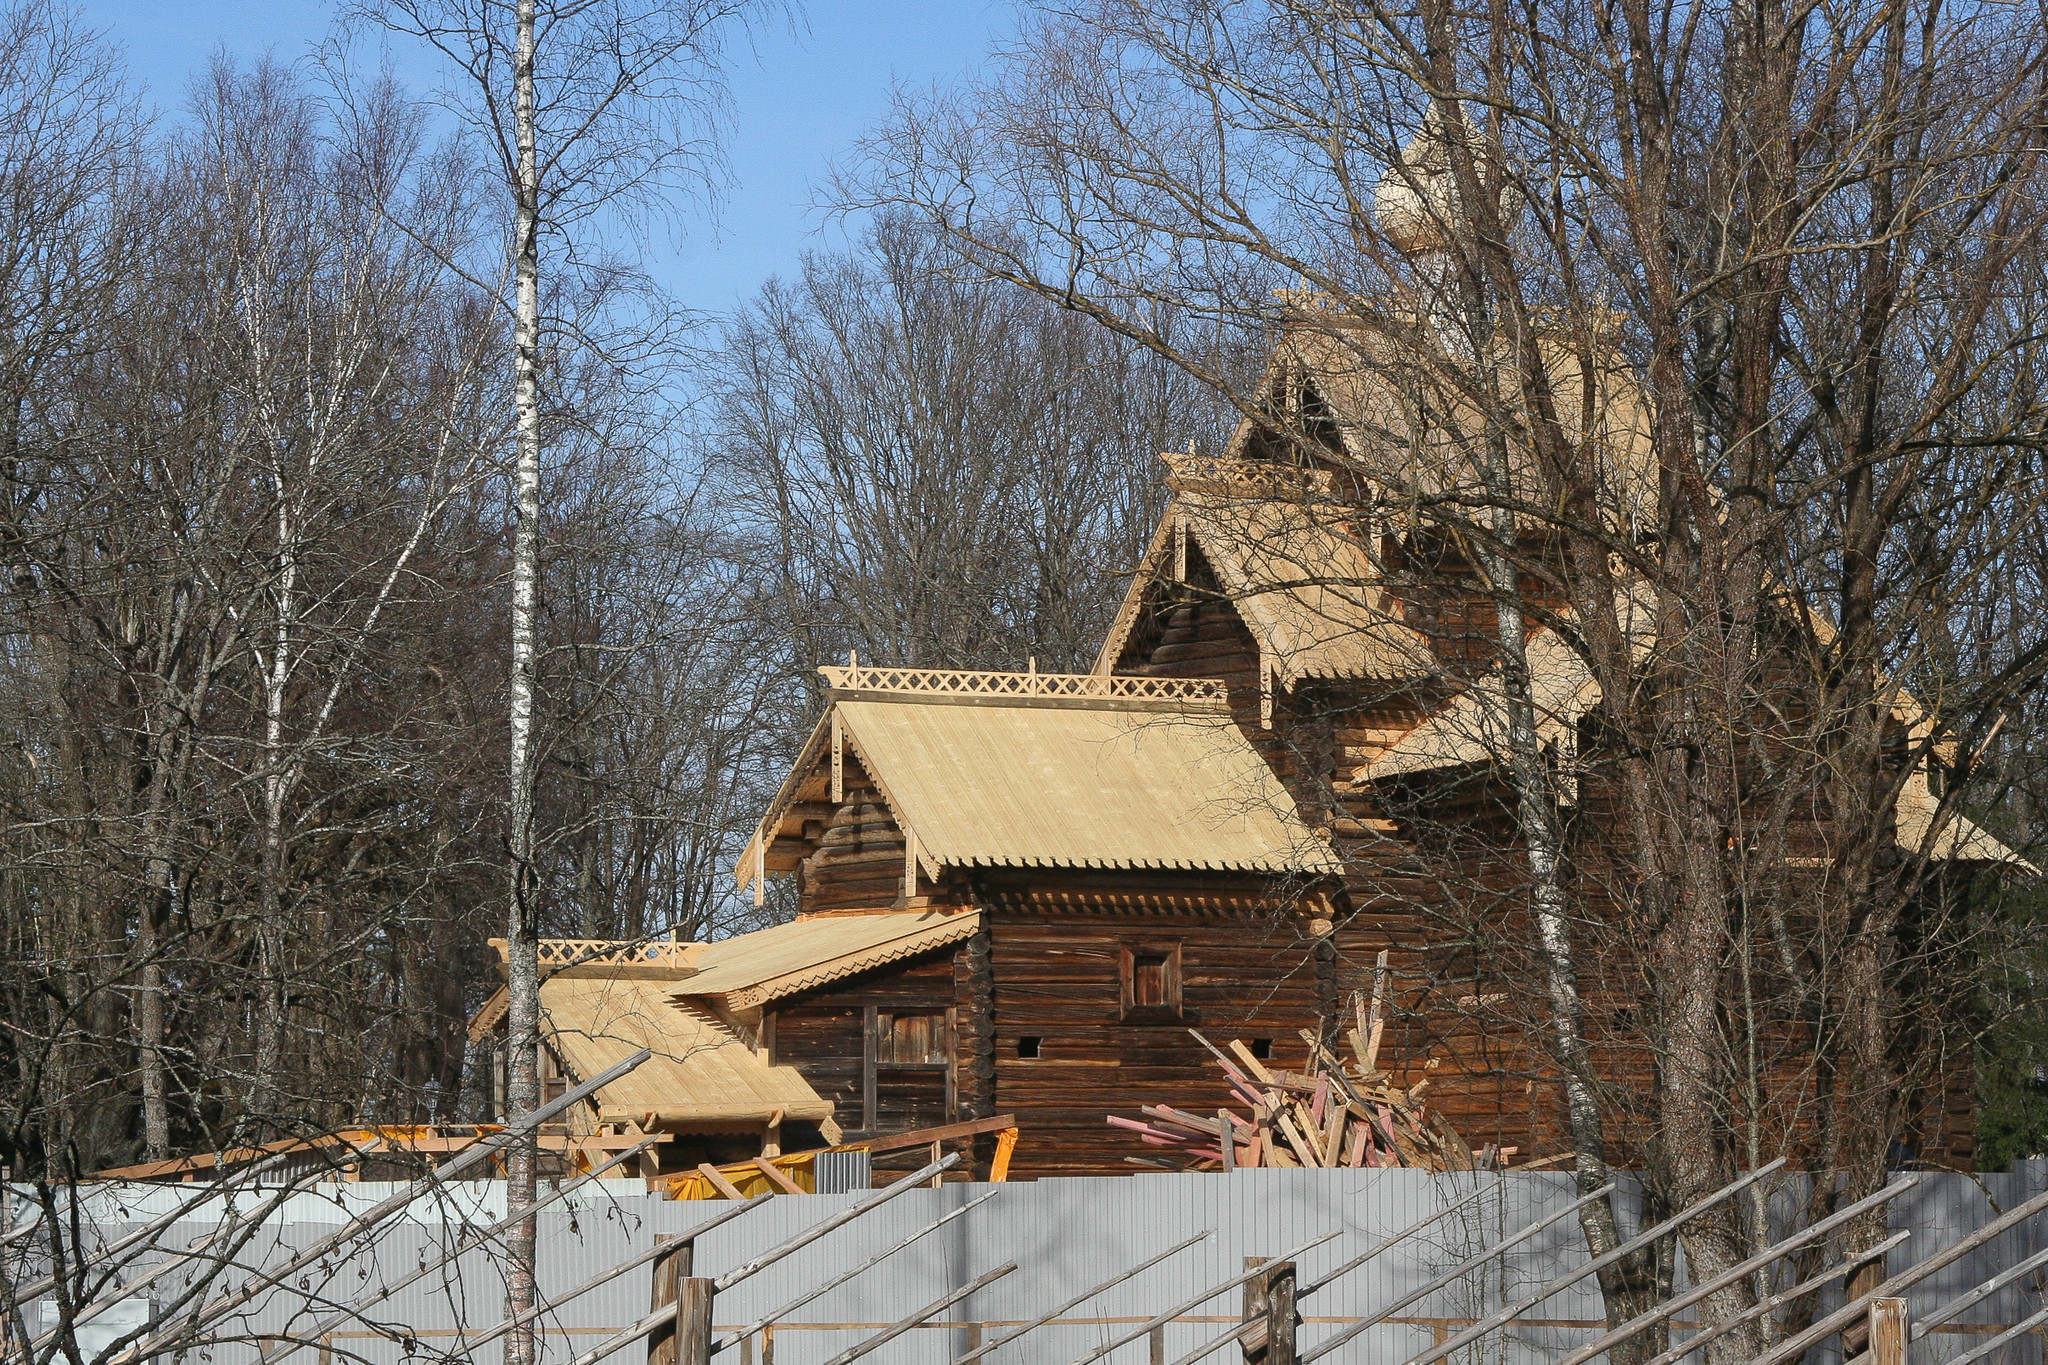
(821, 1034)
(1438, 882)
(1057, 980)
(858, 860)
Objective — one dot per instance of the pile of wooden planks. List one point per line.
(1333, 1114)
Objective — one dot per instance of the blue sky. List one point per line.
(799, 99)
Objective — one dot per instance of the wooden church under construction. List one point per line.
(1024, 894)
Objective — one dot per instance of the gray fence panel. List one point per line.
(1065, 1235)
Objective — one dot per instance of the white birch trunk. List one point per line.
(522, 972)
(270, 908)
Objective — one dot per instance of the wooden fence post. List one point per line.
(1888, 1332)
(1281, 1318)
(693, 1321)
(670, 1270)
(1269, 1302)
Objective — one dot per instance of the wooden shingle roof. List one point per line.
(750, 970)
(1298, 575)
(700, 1074)
(1046, 781)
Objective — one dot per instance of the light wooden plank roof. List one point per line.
(1293, 567)
(1418, 435)
(1471, 728)
(750, 970)
(700, 1072)
(1077, 784)
(1955, 839)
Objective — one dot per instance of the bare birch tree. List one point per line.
(589, 109)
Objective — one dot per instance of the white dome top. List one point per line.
(1417, 199)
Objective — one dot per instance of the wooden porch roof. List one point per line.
(750, 970)
(700, 1074)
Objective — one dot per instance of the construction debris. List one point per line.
(1334, 1114)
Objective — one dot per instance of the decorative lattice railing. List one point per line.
(947, 682)
(569, 952)
(1213, 474)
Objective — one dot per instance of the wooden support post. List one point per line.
(1269, 1303)
(693, 1321)
(938, 1155)
(1253, 1343)
(1888, 1332)
(838, 761)
(999, 1169)
(1856, 1335)
(1159, 1345)
(870, 1054)
(670, 1270)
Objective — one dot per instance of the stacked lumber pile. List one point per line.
(1333, 1114)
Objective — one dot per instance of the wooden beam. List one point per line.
(838, 760)
(776, 1176)
(206, 1160)
(924, 1136)
(599, 1143)
(718, 1181)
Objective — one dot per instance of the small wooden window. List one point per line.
(1151, 979)
(892, 1042)
(1262, 1049)
(1028, 1046)
(1148, 978)
(910, 1040)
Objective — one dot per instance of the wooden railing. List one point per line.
(570, 952)
(1211, 474)
(948, 682)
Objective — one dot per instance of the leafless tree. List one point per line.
(939, 472)
(1705, 341)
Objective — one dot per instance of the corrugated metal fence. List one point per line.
(1065, 1235)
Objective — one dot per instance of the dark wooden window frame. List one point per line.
(872, 1067)
(1128, 953)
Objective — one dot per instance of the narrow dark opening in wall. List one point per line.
(1262, 1048)
(1027, 1047)
(1148, 979)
